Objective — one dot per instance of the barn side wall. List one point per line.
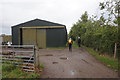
(56, 37)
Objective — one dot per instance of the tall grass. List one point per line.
(11, 71)
(109, 61)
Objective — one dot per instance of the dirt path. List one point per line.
(76, 64)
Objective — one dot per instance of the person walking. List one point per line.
(70, 44)
(79, 41)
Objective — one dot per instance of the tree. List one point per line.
(111, 6)
(84, 17)
(95, 33)
(79, 27)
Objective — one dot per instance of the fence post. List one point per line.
(115, 51)
(34, 49)
(36, 58)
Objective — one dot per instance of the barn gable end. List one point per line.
(40, 32)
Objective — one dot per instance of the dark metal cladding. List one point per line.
(15, 39)
(55, 37)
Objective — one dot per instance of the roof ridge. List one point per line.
(49, 22)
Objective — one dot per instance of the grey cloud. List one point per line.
(61, 11)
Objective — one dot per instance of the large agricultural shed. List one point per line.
(39, 32)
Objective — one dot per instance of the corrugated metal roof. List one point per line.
(37, 22)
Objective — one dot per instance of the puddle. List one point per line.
(80, 71)
(55, 62)
(72, 72)
(64, 58)
(47, 55)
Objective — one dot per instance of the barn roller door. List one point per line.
(33, 36)
(41, 38)
(29, 36)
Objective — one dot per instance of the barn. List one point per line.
(39, 32)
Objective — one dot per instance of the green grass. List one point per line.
(41, 66)
(75, 45)
(11, 71)
(110, 62)
(56, 48)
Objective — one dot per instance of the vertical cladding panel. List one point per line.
(56, 37)
(15, 36)
(41, 38)
(20, 36)
(66, 35)
(29, 36)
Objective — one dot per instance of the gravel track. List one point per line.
(60, 63)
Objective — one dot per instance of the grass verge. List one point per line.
(56, 48)
(11, 71)
(75, 45)
(110, 62)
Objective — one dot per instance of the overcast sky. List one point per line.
(65, 12)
